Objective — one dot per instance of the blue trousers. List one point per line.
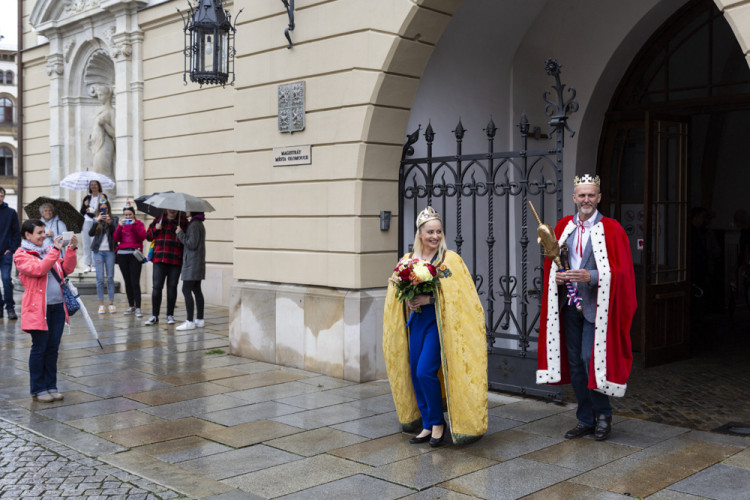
(424, 358)
(579, 339)
(6, 264)
(44, 349)
(105, 261)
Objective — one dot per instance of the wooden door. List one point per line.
(665, 329)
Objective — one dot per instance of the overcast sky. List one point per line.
(8, 21)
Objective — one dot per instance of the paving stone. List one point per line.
(307, 473)
(194, 407)
(359, 486)
(528, 410)
(316, 441)
(114, 421)
(181, 393)
(237, 462)
(274, 392)
(721, 482)
(249, 413)
(92, 409)
(372, 427)
(322, 417)
(251, 433)
(741, 459)
(508, 444)
(438, 493)
(633, 477)
(381, 451)
(581, 454)
(160, 431)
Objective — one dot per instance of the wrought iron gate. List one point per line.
(482, 198)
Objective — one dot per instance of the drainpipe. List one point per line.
(19, 111)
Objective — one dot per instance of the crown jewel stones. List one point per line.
(586, 179)
(426, 215)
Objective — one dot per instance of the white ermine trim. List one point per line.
(599, 246)
(553, 373)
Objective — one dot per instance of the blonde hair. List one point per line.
(418, 242)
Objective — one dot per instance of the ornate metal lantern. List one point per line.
(209, 43)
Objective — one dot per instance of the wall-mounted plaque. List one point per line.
(292, 155)
(292, 107)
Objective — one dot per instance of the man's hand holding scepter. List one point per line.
(546, 238)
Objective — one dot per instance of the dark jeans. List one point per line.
(6, 264)
(171, 274)
(130, 267)
(579, 339)
(44, 348)
(190, 288)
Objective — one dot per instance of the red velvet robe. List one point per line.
(616, 304)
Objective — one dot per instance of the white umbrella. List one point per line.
(84, 312)
(79, 181)
(182, 202)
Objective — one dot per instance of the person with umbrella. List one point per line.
(10, 238)
(41, 271)
(53, 226)
(103, 248)
(90, 210)
(167, 260)
(193, 268)
(129, 236)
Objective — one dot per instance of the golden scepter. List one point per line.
(552, 250)
(547, 239)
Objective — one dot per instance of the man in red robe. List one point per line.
(589, 348)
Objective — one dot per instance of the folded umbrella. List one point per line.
(142, 205)
(79, 181)
(67, 213)
(84, 312)
(180, 201)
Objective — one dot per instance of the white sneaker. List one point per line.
(129, 311)
(101, 310)
(138, 313)
(152, 321)
(170, 320)
(199, 323)
(187, 325)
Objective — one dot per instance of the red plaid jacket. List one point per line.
(167, 248)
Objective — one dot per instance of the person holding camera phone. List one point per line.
(129, 235)
(103, 248)
(89, 210)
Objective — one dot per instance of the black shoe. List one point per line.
(435, 442)
(420, 440)
(12, 314)
(603, 427)
(579, 430)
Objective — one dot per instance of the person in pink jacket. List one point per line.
(129, 235)
(43, 311)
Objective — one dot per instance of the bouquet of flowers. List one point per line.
(414, 277)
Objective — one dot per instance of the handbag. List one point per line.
(151, 251)
(139, 256)
(70, 299)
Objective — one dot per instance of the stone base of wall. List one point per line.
(333, 332)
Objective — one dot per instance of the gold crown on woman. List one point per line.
(586, 179)
(427, 215)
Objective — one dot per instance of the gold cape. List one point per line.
(461, 325)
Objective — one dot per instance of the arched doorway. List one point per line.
(672, 146)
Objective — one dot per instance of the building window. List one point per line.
(6, 162)
(9, 77)
(6, 110)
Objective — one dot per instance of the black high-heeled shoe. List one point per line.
(420, 440)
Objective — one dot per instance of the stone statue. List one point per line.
(102, 139)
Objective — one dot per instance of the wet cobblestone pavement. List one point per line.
(35, 467)
(159, 413)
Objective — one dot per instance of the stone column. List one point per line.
(56, 71)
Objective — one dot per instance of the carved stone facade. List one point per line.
(93, 43)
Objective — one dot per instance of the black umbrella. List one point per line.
(140, 203)
(67, 213)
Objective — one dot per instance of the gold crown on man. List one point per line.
(427, 215)
(586, 179)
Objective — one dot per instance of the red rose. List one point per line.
(404, 274)
(432, 269)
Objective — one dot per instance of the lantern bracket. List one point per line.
(289, 6)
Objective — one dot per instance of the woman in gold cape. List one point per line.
(463, 348)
